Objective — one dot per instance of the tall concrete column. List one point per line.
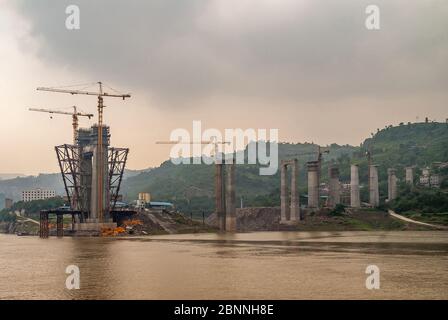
(392, 184)
(355, 201)
(295, 201)
(313, 184)
(410, 175)
(99, 190)
(374, 199)
(219, 196)
(334, 196)
(284, 207)
(94, 187)
(230, 199)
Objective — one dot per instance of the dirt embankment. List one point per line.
(268, 219)
(19, 226)
(7, 227)
(152, 222)
(164, 222)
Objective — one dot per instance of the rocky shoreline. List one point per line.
(248, 219)
(268, 219)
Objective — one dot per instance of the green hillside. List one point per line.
(412, 144)
(190, 187)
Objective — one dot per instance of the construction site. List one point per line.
(91, 170)
(92, 173)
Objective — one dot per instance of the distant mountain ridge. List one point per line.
(13, 187)
(6, 176)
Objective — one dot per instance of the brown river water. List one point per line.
(260, 265)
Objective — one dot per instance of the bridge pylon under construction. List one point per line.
(84, 184)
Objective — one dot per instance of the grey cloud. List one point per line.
(187, 50)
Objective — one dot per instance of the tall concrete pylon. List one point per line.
(290, 211)
(374, 197)
(355, 201)
(313, 184)
(220, 196)
(295, 201)
(230, 199)
(409, 175)
(392, 184)
(284, 208)
(334, 196)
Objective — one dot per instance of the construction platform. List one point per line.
(79, 224)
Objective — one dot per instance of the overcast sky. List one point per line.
(309, 68)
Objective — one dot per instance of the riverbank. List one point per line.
(248, 220)
(357, 220)
(149, 222)
(20, 226)
(268, 219)
(431, 218)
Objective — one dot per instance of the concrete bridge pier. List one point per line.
(313, 184)
(284, 208)
(220, 196)
(295, 200)
(392, 184)
(230, 216)
(374, 198)
(335, 187)
(355, 201)
(290, 210)
(409, 175)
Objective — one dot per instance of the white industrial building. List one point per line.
(37, 194)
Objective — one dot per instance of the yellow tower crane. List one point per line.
(100, 94)
(75, 114)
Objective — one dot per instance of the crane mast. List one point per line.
(100, 154)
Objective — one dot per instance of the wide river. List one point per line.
(261, 265)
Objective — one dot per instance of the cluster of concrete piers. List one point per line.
(290, 210)
(290, 203)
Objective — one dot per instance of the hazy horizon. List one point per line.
(157, 165)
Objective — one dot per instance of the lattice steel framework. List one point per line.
(44, 230)
(69, 164)
(117, 163)
(60, 225)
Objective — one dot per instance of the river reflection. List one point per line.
(262, 265)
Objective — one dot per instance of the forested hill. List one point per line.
(190, 187)
(410, 144)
